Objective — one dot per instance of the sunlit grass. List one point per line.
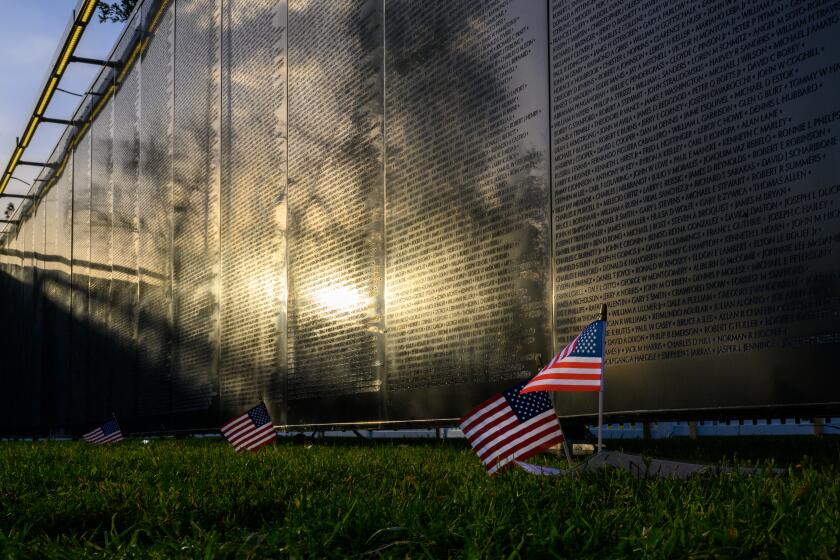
(197, 499)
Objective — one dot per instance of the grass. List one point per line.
(197, 499)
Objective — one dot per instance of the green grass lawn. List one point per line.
(197, 499)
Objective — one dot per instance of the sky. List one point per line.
(30, 34)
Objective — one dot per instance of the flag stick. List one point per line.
(566, 448)
(601, 392)
(600, 420)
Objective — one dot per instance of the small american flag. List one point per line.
(251, 430)
(511, 426)
(109, 432)
(578, 367)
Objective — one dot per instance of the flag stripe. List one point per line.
(259, 435)
(253, 436)
(234, 426)
(567, 367)
(566, 388)
(239, 430)
(502, 424)
(525, 449)
(238, 419)
(233, 430)
(509, 434)
(581, 359)
(111, 439)
(500, 442)
(571, 374)
(529, 450)
(498, 416)
(504, 441)
(488, 417)
(265, 440)
(568, 381)
(471, 416)
(547, 431)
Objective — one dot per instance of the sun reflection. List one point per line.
(339, 298)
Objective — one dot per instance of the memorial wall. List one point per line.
(387, 210)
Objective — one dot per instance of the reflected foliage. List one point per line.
(115, 12)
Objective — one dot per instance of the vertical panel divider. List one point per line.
(46, 381)
(283, 326)
(170, 211)
(70, 374)
(383, 288)
(144, 23)
(216, 282)
(135, 318)
(552, 257)
(223, 18)
(109, 322)
(88, 321)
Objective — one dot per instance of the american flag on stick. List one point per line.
(251, 430)
(109, 432)
(511, 426)
(578, 367)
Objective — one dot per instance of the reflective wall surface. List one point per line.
(467, 221)
(336, 209)
(385, 210)
(253, 205)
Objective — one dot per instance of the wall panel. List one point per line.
(14, 371)
(125, 239)
(336, 210)
(49, 344)
(468, 245)
(253, 204)
(37, 399)
(60, 244)
(80, 398)
(694, 147)
(154, 206)
(197, 142)
(6, 287)
(24, 414)
(101, 355)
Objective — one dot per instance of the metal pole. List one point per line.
(95, 61)
(37, 164)
(601, 392)
(566, 449)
